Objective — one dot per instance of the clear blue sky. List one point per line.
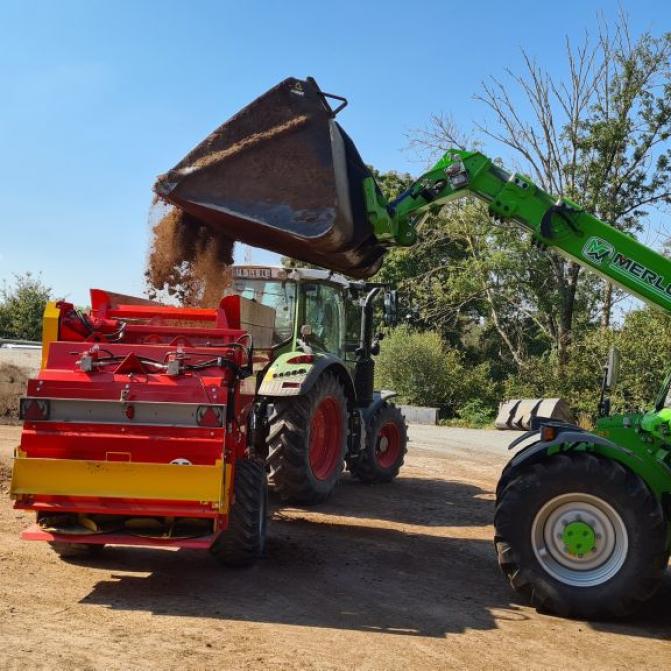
(97, 98)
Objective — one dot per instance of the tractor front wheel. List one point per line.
(242, 543)
(581, 536)
(386, 444)
(307, 440)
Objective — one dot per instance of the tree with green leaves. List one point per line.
(600, 137)
(21, 307)
(425, 371)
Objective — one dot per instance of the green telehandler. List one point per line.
(582, 523)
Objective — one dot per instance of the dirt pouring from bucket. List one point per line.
(188, 261)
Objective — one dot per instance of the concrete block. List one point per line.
(507, 410)
(418, 415)
(517, 413)
(28, 359)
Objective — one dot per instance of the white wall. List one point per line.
(28, 359)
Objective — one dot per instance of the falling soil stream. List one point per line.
(188, 260)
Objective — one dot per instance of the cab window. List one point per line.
(281, 296)
(324, 313)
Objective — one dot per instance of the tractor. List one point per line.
(582, 518)
(315, 410)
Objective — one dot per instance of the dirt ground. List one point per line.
(12, 384)
(401, 576)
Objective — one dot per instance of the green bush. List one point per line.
(425, 371)
(475, 412)
(21, 308)
(644, 341)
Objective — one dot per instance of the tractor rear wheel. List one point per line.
(581, 536)
(386, 444)
(243, 542)
(307, 440)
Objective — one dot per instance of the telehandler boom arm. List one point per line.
(557, 224)
(283, 174)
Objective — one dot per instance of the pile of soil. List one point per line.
(12, 386)
(247, 143)
(188, 260)
(5, 477)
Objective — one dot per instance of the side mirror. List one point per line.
(391, 307)
(612, 367)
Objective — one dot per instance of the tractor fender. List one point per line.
(379, 399)
(542, 448)
(572, 438)
(284, 379)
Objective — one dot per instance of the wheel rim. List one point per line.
(579, 539)
(325, 438)
(387, 445)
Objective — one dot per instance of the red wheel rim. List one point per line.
(388, 445)
(325, 438)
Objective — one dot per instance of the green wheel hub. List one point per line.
(579, 538)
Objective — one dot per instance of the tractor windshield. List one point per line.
(277, 294)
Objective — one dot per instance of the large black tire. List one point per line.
(566, 497)
(307, 441)
(386, 445)
(506, 476)
(243, 542)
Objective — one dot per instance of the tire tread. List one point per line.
(545, 593)
(242, 543)
(287, 438)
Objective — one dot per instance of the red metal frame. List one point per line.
(122, 326)
(35, 533)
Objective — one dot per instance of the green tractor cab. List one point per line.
(582, 524)
(316, 410)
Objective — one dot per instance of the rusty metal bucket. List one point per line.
(283, 175)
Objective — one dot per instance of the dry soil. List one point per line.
(401, 576)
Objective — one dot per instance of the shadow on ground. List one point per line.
(417, 501)
(326, 572)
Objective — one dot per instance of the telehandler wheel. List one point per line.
(505, 477)
(386, 445)
(307, 440)
(77, 550)
(244, 540)
(581, 536)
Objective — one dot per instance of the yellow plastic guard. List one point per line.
(122, 479)
(50, 320)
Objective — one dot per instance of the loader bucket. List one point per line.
(283, 175)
